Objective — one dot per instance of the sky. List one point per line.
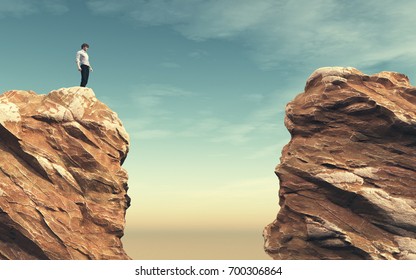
(201, 87)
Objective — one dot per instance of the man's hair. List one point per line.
(85, 45)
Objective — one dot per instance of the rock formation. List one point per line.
(63, 193)
(348, 175)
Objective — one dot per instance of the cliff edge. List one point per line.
(348, 175)
(63, 192)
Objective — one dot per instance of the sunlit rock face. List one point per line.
(63, 192)
(348, 175)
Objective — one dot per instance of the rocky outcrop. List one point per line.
(63, 193)
(348, 175)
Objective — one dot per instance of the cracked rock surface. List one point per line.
(348, 175)
(63, 192)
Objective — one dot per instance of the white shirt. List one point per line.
(82, 58)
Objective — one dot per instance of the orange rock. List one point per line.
(348, 175)
(63, 192)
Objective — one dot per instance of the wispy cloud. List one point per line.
(19, 8)
(154, 110)
(56, 7)
(286, 33)
(16, 8)
(153, 95)
(170, 65)
(218, 130)
(234, 133)
(255, 97)
(153, 134)
(270, 150)
(162, 90)
(198, 54)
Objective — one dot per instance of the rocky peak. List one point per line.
(348, 175)
(63, 192)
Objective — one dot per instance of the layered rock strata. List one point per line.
(63, 192)
(348, 175)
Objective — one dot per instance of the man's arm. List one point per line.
(78, 60)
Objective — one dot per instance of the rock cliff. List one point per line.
(63, 193)
(348, 175)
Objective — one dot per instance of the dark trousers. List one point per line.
(85, 73)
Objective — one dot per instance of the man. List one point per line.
(83, 64)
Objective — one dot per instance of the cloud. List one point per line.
(151, 96)
(255, 97)
(203, 126)
(155, 106)
(57, 7)
(19, 8)
(234, 133)
(218, 130)
(224, 19)
(281, 34)
(161, 90)
(170, 65)
(152, 134)
(274, 150)
(198, 54)
(195, 19)
(148, 101)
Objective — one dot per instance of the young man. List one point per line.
(83, 64)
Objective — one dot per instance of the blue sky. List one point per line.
(201, 86)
